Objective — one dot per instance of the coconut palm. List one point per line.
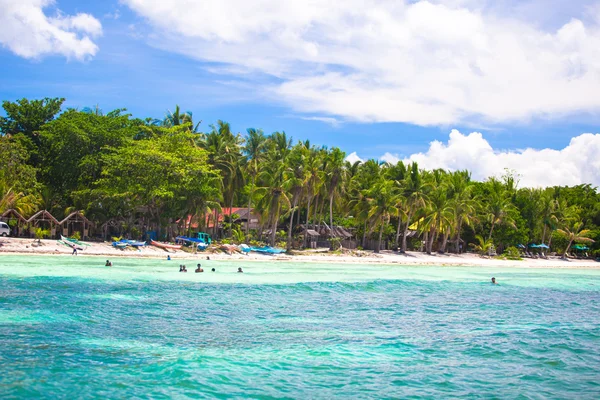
(254, 149)
(415, 198)
(574, 233)
(335, 173)
(382, 205)
(499, 207)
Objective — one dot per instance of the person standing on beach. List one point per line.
(74, 253)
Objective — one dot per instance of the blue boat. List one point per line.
(201, 241)
(134, 243)
(121, 244)
(267, 250)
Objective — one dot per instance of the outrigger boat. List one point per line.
(267, 250)
(165, 245)
(74, 241)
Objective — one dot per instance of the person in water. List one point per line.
(184, 269)
(208, 258)
(494, 281)
(240, 269)
(108, 263)
(199, 269)
(213, 270)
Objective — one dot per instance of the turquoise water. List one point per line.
(71, 328)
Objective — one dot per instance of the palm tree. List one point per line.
(574, 233)
(438, 210)
(314, 180)
(499, 206)
(462, 202)
(274, 179)
(414, 193)
(334, 172)
(254, 150)
(295, 178)
(176, 117)
(382, 205)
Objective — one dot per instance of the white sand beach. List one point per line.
(20, 246)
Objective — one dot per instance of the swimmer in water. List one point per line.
(494, 281)
(213, 270)
(199, 269)
(108, 263)
(240, 269)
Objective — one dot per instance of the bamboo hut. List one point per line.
(15, 220)
(43, 219)
(76, 222)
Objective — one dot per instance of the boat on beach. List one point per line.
(74, 241)
(165, 245)
(267, 250)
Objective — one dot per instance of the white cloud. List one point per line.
(28, 32)
(353, 157)
(427, 63)
(328, 120)
(575, 164)
(390, 158)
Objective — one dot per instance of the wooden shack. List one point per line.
(76, 222)
(43, 219)
(17, 223)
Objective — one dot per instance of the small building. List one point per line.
(44, 220)
(311, 236)
(17, 223)
(76, 222)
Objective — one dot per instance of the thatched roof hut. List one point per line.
(76, 222)
(42, 219)
(15, 220)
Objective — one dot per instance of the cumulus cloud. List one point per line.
(575, 164)
(353, 157)
(422, 62)
(28, 32)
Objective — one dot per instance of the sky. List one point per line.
(454, 84)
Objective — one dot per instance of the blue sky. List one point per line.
(383, 85)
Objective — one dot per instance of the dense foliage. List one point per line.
(118, 168)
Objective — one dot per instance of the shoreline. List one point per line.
(24, 247)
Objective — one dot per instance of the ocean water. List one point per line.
(72, 328)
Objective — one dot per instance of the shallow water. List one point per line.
(73, 328)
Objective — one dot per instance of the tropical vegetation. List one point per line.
(168, 172)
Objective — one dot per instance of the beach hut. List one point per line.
(76, 222)
(43, 219)
(15, 220)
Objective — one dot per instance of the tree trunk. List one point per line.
(331, 215)
(408, 217)
(567, 249)
(444, 243)
(459, 227)
(491, 230)
(249, 206)
(378, 248)
(544, 234)
(289, 240)
(275, 219)
(307, 220)
(230, 214)
(397, 241)
(429, 244)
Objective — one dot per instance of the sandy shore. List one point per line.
(18, 246)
